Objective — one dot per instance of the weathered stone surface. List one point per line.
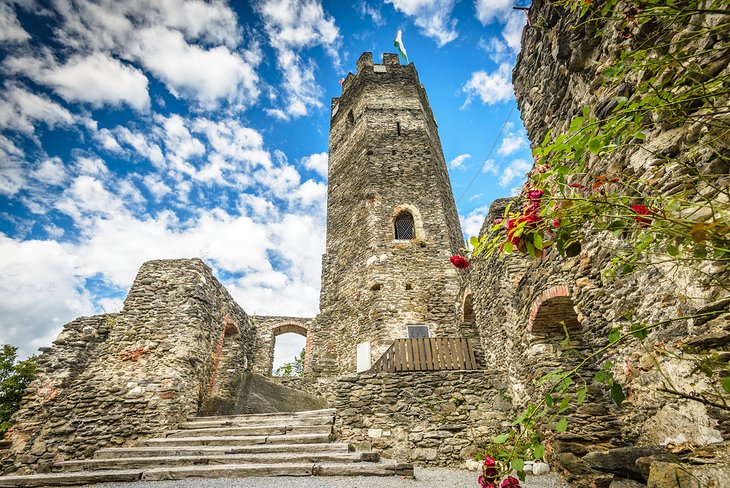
(621, 461)
(429, 421)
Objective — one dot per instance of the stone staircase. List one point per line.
(278, 444)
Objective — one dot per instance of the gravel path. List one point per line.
(425, 478)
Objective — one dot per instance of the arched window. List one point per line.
(404, 228)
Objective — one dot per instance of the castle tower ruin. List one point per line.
(391, 219)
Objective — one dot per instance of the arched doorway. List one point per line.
(287, 344)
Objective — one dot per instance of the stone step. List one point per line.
(160, 451)
(327, 412)
(238, 422)
(239, 440)
(253, 431)
(216, 459)
(215, 471)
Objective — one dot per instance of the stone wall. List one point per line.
(519, 303)
(439, 418)
(108, 380)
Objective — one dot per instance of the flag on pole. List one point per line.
(399, 44)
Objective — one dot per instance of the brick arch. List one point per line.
(551, 307)
(297, 328)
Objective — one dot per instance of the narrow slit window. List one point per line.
(350, 119)
(404, 228)
(397, 127)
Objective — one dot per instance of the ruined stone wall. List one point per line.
(516, 300)
(385, 157)
(112, 379)
(440, 418)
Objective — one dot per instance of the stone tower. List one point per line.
(391, 219)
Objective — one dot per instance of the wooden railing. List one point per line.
(427, 355)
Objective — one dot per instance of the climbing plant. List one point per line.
(666, 207)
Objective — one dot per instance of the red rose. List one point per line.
(459, 261)
(532, 207)
(511, 224)
(556, 222)
(510, 482)
(534, 195)
(485, 483)
(641, 210)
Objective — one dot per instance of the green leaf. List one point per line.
(602, 376)
(617, 394)
(549, 400)
(726, 384)
(474, 241)
(580, 395)
(639, 331)
(564, 405)
(562, 425)
(537, 241)
(501, 439)
(614, 335)
(517, 465)
(508, 247)
(673, 251)
(595, 146)
(538, 451)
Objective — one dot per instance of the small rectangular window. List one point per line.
(418, 331)
(397, 127)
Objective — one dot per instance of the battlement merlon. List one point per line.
(390, 71)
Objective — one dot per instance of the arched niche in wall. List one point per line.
(551, 309)
(399, 223)
(289, 327)
(467, 309)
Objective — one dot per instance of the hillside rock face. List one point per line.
(519, 303)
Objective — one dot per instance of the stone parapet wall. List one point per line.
(439, 418)
(178, 342)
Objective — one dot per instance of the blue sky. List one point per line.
(142, 130)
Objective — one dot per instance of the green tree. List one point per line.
(294, 368)
(15, 376)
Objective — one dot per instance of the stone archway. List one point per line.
(552, 308)
(297, 328)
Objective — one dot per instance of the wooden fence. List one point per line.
(427, 355)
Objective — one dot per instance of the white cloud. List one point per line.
(10, 28)
(367, 10)
(516, 169)
(489, 11)
(108, 141)
(317, 162)
(489, 166)
(512, 141)
(491, 88)
(294, 25)
(144, 147)
(472, 222)
(39, 292)
(51, 172)
(192, 46)
(97, 79)
(432, 17)
(156, 186)
(458, 161)
(512, 32)
(191, 71)
(21, 109)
